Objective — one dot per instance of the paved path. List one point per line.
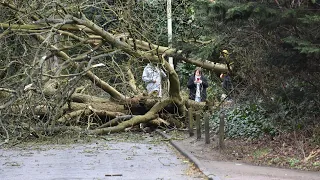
(100, 160)
(239, 171)
(221, 170)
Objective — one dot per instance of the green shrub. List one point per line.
(246, 121)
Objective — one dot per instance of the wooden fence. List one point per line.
(195, 120)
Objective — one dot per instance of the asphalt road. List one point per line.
(99, 160)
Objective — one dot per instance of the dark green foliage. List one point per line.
(303, 46)
(308, 19)
(243, 11)
(275, 51)
(184, 71)
(249, 121)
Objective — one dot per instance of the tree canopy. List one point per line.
(80, 62)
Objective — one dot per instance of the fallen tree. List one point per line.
(43, 87)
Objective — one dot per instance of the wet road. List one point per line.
(99, 160)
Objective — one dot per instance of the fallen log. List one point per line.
(115, 121)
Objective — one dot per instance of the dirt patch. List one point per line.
(282, 151)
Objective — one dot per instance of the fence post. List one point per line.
(206, 128)
(190, 116)
(198, 125)
(221, 131)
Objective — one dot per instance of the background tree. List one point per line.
(274, 47)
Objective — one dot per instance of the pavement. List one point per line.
(131, 160)
(222, 170)
(96, 160)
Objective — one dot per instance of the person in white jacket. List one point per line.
(152, 76)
